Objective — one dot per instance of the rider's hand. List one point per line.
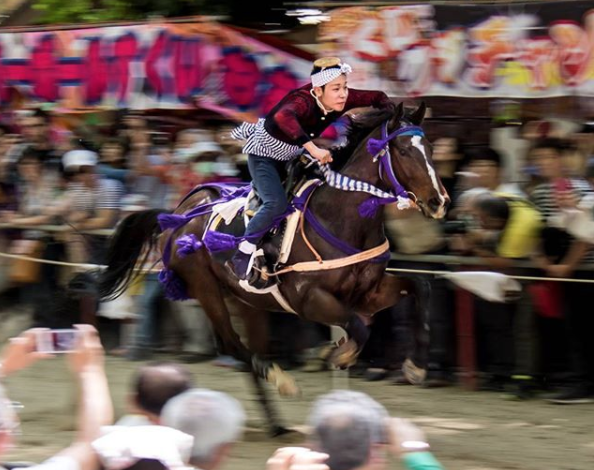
(322, 155)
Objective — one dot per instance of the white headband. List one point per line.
(327, 75)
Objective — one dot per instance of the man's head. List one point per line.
(214, 419)
(546, 156)
(81, 165)
(350, 427)
(155, 384)
(492, 211)
(36, 127)
(485, 162)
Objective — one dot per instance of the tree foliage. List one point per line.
(89, 11)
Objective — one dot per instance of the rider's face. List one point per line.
(334, 95)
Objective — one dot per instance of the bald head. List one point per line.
(157, 383)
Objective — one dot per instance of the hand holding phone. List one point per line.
(56, 341)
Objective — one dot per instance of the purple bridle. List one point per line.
(381, 147)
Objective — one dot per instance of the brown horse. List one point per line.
(342, 296)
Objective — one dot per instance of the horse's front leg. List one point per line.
(322, 306)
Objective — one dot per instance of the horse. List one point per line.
(344, 295)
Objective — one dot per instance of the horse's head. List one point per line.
(408, 168)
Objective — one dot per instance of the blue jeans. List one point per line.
(267, 181)
(147, 314)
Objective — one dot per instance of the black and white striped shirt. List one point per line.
(260, 142)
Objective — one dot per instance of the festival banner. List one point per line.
(148, 66)
(539, 49)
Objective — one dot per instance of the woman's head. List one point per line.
(30, 166)
(329, 83)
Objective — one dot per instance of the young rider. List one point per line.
(289, 129)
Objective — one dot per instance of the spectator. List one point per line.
(95, 410)
(563, 255)
(508, 229)
(485, 168)
(113, 161)
(214, 419)
(154, 385)
(350, 430)
(94, 204)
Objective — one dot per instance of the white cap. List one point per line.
(197, 150)
(78, 158)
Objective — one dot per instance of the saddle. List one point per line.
(267, 259)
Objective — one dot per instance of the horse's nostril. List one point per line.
(434, 203)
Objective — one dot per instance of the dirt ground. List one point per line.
(468, 430)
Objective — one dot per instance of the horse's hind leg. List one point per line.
(208, 292)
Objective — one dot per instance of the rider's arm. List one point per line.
(287, 120)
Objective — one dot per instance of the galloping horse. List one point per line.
(384, 148)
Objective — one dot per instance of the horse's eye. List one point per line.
(402, 152)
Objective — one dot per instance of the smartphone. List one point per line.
(56, 341)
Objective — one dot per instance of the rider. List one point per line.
(289, 128)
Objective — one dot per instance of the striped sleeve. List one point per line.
(109, 195)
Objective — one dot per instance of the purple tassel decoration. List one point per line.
(216, 241)
(171, 221)
(188, 244)
(369, 207)
(175, 287)
(375, 146)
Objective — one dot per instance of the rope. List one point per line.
(389, 270)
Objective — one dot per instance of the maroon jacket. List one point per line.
(297, 118)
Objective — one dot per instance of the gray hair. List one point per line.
(212, 418)
(346, 425)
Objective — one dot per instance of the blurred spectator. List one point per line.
(94, 204)
(484, 167)
(508, 229)
(563, 255)
(214, 419)
(153, 386)
(112, 161)
(351, 431)
(95, 409)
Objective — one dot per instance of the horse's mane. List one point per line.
(360, 126)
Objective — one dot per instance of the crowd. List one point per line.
(83, 179)
(174, 425)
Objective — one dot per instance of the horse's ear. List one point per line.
(417, 116)
(398, 115)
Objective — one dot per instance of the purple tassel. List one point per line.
(188, 244)
(216, 241)
(375, 146)
(171, 221)
(175, 287)
(369, 207)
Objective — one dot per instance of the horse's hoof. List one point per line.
(345, 355)
(415, 375)
(284, 383)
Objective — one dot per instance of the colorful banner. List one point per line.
(148, 66)
(517, 51)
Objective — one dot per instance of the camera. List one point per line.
(56, 341)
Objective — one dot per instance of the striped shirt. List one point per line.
(260, 142)
(107, 194)
(544, 197)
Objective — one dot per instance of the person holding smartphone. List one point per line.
(86, 362)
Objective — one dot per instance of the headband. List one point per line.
(325, 76)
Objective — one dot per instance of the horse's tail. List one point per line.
(136, 235)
